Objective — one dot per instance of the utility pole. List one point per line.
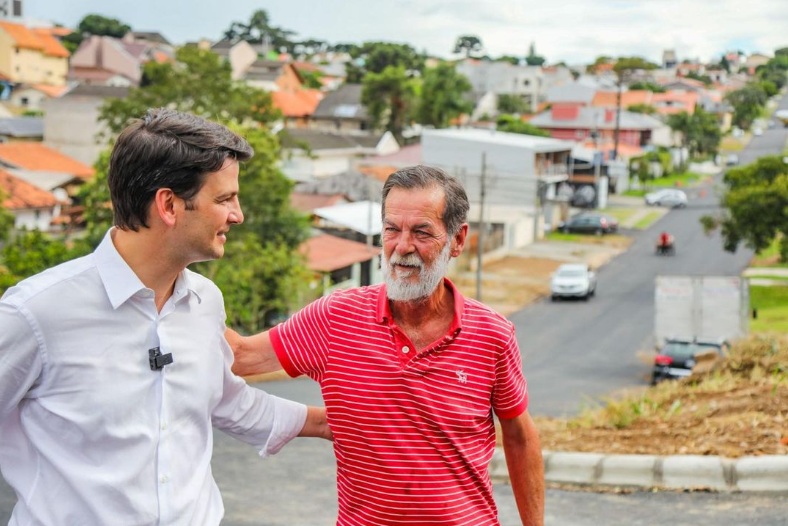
(480, 234)
(620, 77)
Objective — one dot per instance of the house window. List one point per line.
(341, 275)
(526, 82)
(24, 101)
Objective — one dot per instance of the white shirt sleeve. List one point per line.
(20, 359)
(254, 416)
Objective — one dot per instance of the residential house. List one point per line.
(667, 103)
(351, 186)
(574, 93)
(684, 84)
(108, 61)
(578, 123)
(71, 122)
(239, 54)
(272, 75)
(297, 107)
(509, 176)
(33, 96)
(669, 60)
(504, 78)
(21, 129)
(340, 263)
(32, 207)
(310, 154)
(31, 56)
(754, 60)
(44, 167)
(342, 110)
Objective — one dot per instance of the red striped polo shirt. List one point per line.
(413, 432)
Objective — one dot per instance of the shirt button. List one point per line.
(405, 349)
(163, 426)
(164, 479)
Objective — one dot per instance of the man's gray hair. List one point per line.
(421, 176)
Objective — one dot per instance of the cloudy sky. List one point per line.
(575, 31)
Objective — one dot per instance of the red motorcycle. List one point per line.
(665, 245)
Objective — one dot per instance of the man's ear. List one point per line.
(164, 204)
(458, 242)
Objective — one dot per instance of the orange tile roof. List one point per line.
(22, 36)
(298, 103)
(325, 253)
(672, 102)
(52, 45)
(379, 172)
(49, 90)
(37, 157)
(628, 98)
(20, 195)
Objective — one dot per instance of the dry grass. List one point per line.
(740, 408)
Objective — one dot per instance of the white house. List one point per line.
(506, 175)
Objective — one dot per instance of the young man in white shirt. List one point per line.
(114, 366)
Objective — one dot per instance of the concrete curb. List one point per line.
(758, 474)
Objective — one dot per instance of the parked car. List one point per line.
(590, 223)
(573, 280)
(677, 357)
(670, 197)
(732, 159)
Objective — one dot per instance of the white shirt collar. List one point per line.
(120, 281)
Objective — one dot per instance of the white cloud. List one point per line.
(570, 30)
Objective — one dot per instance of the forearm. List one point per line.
(523, 452)
(316, 424)
(253, 354)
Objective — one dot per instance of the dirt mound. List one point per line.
(738, 409)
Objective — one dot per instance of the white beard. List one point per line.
(400, 289)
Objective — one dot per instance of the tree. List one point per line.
(755, 204)
(648, 86)
(94, 24)
(442, 96)
(747, 104)
(6, 219)
(380, 55)
(700, 133)
(512, 124)
(510, 103)
(264, 247)
(468, 44)
(200, 83)
(259, 30)
(30, 252)
(389, 96)
(532, 59)
(645, 109)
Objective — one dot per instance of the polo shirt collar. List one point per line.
(384, 310)
(120, 281)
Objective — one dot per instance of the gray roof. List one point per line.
(262, 69)
(594, 118)
(88, 90)
(574, 92)
(342, 103)
(22, 127)
(150, 36)
(353, 185)
(325, 140)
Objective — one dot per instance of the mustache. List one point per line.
(412, 260)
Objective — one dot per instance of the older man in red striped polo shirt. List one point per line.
(411, 373)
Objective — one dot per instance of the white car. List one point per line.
(573, 280)
(669, 197)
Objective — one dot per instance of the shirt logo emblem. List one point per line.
(462, 377)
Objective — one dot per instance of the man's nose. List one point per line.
(236, 215)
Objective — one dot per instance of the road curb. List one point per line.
(758, 474)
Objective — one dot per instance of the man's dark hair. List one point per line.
(166, 149)
(420, 176)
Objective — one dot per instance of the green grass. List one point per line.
(622, 214)
(771, 304)
(647, 220)
(674, 180)
(770, 256)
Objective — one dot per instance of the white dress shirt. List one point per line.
(89, 434)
